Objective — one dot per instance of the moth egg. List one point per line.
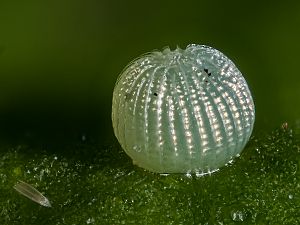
(182, 111)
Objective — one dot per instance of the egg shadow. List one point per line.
(85, 136)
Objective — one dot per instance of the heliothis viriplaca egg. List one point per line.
(182, 111)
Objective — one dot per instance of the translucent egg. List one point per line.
(182, 111)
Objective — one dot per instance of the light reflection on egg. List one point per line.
(182, 111)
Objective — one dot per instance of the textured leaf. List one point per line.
(90, 184)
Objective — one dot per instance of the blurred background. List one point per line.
(59, 60)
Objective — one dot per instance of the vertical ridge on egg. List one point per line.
(182, 111)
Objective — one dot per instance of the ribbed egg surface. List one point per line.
(182, 111)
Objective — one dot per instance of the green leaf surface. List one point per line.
(88, 183)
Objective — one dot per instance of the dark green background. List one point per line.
(59, 59)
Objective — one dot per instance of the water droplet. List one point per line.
(238, 215)
(90, 220)
(188, 175)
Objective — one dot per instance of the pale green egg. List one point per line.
(182, 111)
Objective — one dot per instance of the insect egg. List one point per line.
(182, 111)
